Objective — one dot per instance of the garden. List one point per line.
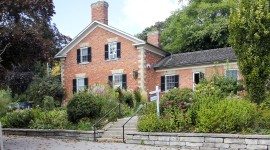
(218, 105)
(39, 106)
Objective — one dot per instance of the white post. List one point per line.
(1, 138)
(157, 93)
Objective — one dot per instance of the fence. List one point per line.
(1, 138)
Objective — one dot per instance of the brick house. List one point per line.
(101, 54)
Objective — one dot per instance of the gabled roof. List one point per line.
(197, 58)
(89, 29)
(96, 24)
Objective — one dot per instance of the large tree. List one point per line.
(27, 35)
(203, 24)
(249, 28)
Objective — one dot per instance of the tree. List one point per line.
(203, 24)
(25, 26)
(249, 28)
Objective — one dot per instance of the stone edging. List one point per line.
(205, 141)
(60, 134)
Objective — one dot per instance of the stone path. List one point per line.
(36, 143)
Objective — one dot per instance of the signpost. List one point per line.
(155, 97)
(1, 138)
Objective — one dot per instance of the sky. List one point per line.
(131, 16)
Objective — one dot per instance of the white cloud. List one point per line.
(139, 14)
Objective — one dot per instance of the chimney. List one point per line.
(154, 38)
(100, 11)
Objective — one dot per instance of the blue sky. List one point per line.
(131, 16)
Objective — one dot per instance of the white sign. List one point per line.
(1, 138)
(155, 97)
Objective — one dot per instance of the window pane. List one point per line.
(84, 55)
(80, 84)
(112, 51)
(170, 82)
(232, 74)
(117, 80)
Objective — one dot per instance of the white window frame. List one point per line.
(237, 71)
(166, 86)
(120, 83)
(114, 55)
(81, 87)
(82, 56)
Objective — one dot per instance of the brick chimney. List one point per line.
(100, 11)
(154, 38)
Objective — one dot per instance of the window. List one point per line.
(169, 82)
(84, 55)
(118, 80)
(112, 51)
(80, 84)
(232, 74)
(197, 77)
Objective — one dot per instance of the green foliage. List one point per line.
(126, 97)
(138, 96)
(176, 96)
(55, 119)
(45, 86)
(48, 103)
(219, 85)
(18, 119)
(224, 116)
(203, 24)
(83, 105)
(249, 36)
(5, 100)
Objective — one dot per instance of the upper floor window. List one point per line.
(112, 51)
(232, 74)
(169, 82)
(84, 55)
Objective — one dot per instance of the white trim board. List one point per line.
(193, 67)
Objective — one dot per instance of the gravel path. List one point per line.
(36, 143)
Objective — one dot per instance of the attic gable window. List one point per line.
(84, 55)
(113, 51)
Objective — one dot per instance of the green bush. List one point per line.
(126, 97)
(5, 100)
(45, 86)
(48, 103)
(83, 105)
(225, 116)
(55, 119)
(18, 119)
(176, 96)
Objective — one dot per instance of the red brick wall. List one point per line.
(150, 74)
(99, 69)
(186, 75)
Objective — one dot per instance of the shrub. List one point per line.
(55, 119)
(5, 99)
(126, 97)
(45, 86)
(225, 116)
(176, 96)
(83, 105)
(48, 103)
(18, 119)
